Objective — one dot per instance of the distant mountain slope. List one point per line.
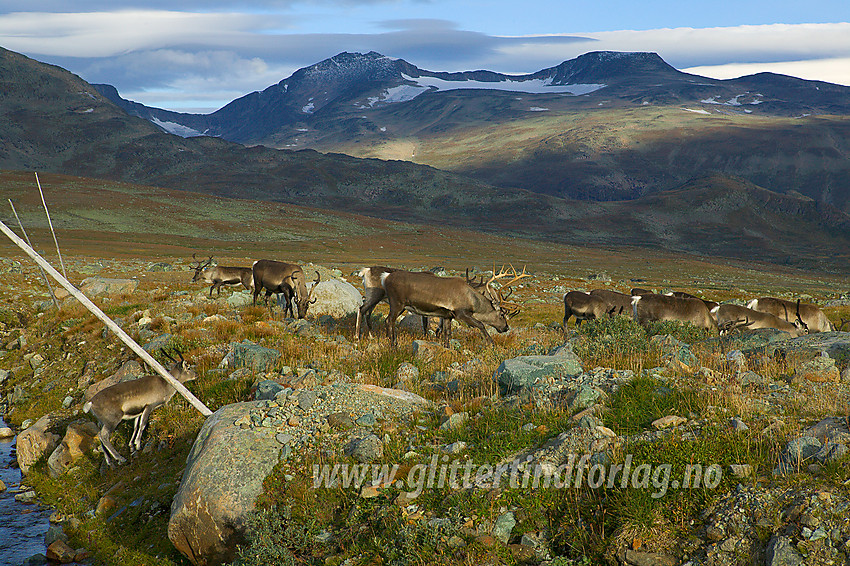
(602, 126)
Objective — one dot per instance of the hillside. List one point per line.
(603, 126)
(55, 122)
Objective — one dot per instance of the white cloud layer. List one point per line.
(184, 60)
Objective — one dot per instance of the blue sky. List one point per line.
(202, 54)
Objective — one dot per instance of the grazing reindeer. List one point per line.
(449, 298)
(683, 295)
(647, 308)
(583, 306)
(134, 400)
(726, 313)
(615, 303)
(287, 279)
(220, 275)
(810, 315)
(374, 294)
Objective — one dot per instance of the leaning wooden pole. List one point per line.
(29, 243)
(50, 223)
(194, 401)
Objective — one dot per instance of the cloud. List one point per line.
(177, 59)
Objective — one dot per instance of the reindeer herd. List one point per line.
(477, 303)
(796, 318)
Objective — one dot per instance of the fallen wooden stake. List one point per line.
(194, 401)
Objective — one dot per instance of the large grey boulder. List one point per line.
(94, 286)
(36, 441)
(224, 475)
(524, 372)
(835, 344)
(335, 298)
(247, 354)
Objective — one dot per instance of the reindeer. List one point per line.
(615, 303)
(811, 316)
(135, 400)
(449, 298)
(651, 307)
(728, 317)
(287, 279)
(374, 294)
(583, 306)
(220, 275)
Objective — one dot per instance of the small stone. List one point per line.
(503, 526)
(367, 420)
(668, 421)
(780, 552)
(306, 399)
(455, 447)
(454, 421)
(6, 432)
(340, 421)
(369, 491)
(293, 420)
(60, 552)
(738, 425)
(741, 470)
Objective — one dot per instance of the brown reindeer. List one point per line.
(134, 400)
(646, 308)
(583, 306)
(449, 298)
(287, 279)
(219, 275)
(812, 317)
(727, 313)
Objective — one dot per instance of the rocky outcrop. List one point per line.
(36, 441)
(79, 439)
(224, 475)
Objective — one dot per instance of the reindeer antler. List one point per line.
(731, 325)
(510, 309)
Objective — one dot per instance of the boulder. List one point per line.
(365, 449)
(835, 344)
(820, 369)
(79, 439)
(240, 299)
(224, 475)
(524, 372)
(129, 371)
(36, 441)
(335, 298)
(94, 286)
(247, 354)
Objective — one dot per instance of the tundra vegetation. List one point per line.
(661, 369)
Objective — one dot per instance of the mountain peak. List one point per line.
(606, 66)
(346, 66)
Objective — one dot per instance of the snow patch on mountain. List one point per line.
(406, 92)
(735, 100)
(177, 129)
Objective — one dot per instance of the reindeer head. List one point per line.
(180, 369)
(199, 269)
(500, 304)
(303, 298)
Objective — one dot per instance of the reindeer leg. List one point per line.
(468, 319)
(110, 454)
(141, 424)
(395, 310)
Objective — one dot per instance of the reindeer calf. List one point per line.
(133, 400)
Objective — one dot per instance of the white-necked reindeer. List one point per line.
(134, 400)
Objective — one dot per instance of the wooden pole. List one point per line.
(43, 274)
(50, 223)
(194, 401)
